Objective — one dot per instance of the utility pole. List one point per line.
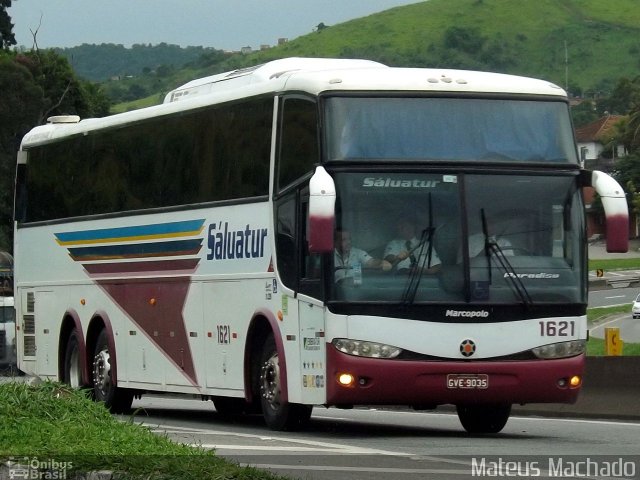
(566, 67)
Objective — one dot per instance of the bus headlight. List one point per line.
(561, 350)
(361, 348)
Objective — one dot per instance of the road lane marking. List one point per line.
(519, 417)
(308, 445)
(269, 448)
(434, 471)
(601, 326)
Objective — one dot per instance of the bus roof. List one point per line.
(311, 75)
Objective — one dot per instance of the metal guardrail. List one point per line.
(622, 282)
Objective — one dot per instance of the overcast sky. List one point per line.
(222, 24)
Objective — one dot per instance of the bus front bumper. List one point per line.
(400, 382)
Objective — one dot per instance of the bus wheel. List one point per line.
(483, 418)
(72, 369)
(116, 399)
(278, 415)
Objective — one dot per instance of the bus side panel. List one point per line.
(228, 306)
(312, 352)
(47, 334)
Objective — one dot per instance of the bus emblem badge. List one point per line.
(467, 348)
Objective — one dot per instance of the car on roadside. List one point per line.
(635, 308)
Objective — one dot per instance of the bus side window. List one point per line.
(286, 240)
(298, 146)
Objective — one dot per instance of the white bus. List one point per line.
(7, 314)
(189, 247)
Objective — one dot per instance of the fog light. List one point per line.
(562, 383)
(346, 379)
(575, 381)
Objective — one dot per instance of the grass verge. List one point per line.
(65, 432)
(615, 264)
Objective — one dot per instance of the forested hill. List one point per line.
(106, 61)
(585, 45)
(601, 39)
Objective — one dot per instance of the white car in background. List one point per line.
(635, 309)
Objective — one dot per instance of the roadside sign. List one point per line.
(613, 342)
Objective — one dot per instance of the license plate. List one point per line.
(468, 381)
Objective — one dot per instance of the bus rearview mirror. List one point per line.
(614, 203)
(322, 200)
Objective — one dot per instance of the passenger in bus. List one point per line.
(407, 253)
(349, 261)
(477, 245)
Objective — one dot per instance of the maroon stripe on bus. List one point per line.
(130, 267)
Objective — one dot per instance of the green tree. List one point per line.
(467, 40)
(584, 113)
(7, 39)
(21, 104)
(627, 132)
(632, 132)
(34, 86)
(624, 96)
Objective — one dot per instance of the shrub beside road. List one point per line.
(54, 430)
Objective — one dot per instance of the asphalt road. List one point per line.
(382, 444)
(612, 297)
(629, 328)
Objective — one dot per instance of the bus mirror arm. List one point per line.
(614, 203)
(322, 199)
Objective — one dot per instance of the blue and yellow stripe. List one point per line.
(128, 251)
(186, 228)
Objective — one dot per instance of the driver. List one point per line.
(349, 260)
(406, 252)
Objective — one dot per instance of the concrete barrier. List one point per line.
(611, 389)
(622, 282)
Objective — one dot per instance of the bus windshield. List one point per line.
(451, 129)
(461, 238)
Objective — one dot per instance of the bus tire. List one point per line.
(481, 419)
(116, 399)
(72, 370)
(278, 415)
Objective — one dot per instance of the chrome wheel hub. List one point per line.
(102, 372)
(270, 381)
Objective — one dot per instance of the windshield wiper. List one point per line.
(492, 248)
(415, 274)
